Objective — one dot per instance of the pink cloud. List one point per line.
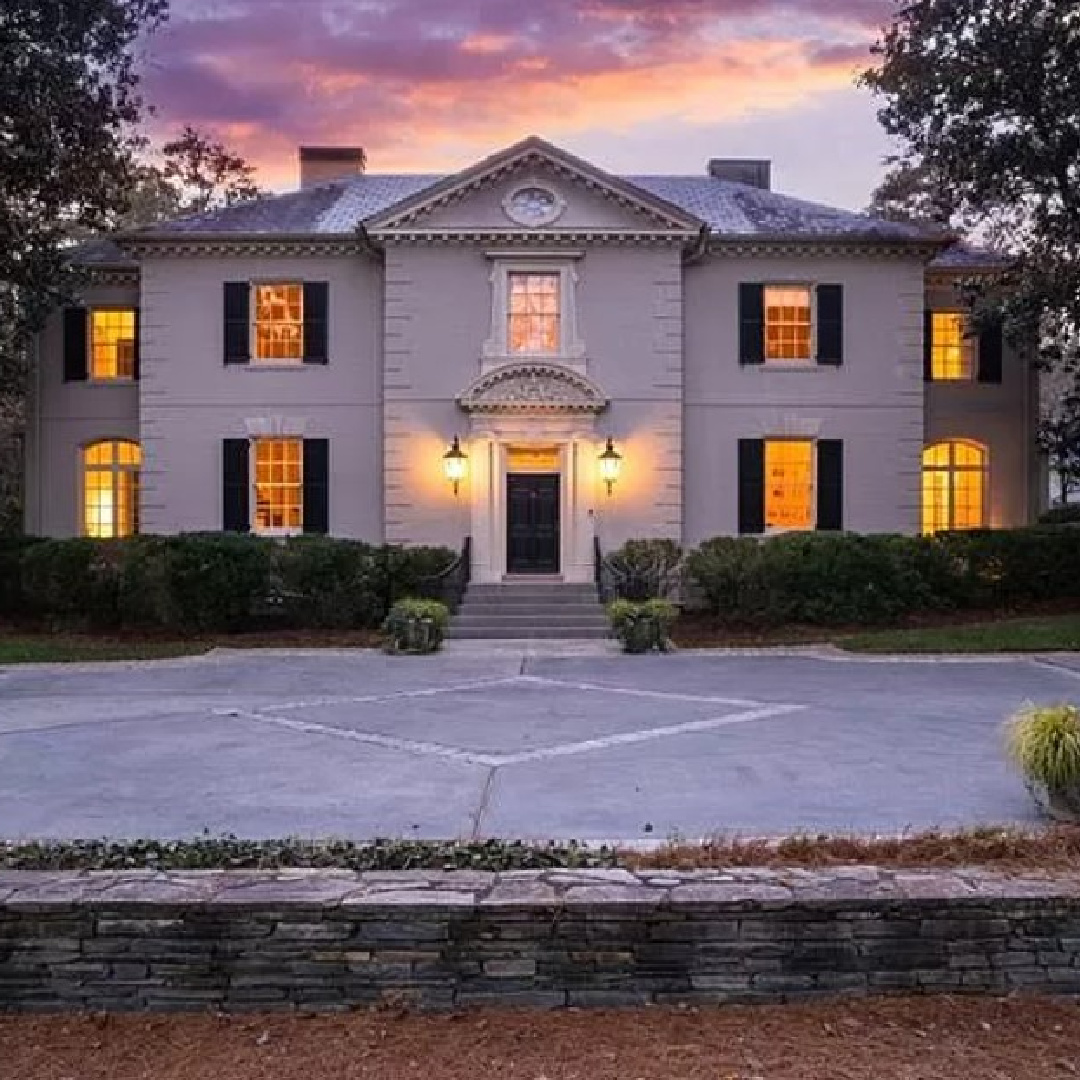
(429, 83)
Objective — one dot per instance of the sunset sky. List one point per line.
(432, 85)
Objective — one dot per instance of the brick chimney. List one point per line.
(750, 171)
(318, 164)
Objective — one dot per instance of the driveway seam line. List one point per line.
(485, 801)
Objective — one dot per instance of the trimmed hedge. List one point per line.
(841, 579)
(1062, 515)
(210, 582)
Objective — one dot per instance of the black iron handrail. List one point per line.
(449, 585)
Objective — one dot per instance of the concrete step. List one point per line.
(554, 609)
(467, 618)
(500, 633)
(557, 591)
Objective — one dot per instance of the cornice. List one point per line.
(108, 275)
(533, 238)
(824, 247)
(531, 387)
(245, 246)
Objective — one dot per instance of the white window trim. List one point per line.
(253, 497)
(97, 380)
(802, 363)
(951, 470)
(83, 470)
(969, 342)
(781, 530)
(496, 350)
(289, 362)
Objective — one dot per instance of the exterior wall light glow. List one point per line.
(455, 464)
(610, 465)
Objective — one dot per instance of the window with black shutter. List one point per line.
(316, 486)
(316, 322)
(76, 350)
(991, 350)
(830, 325)
(751, 323)
(830, 485)
(237, 322)
(751, 486)
(236, 488)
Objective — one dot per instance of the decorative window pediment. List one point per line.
(533, 388)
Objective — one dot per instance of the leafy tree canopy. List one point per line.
(984, 99)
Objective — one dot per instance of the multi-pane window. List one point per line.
(111, 488)
(789, 484)
(953, 486)
(533, 312)
(112, 344)
(788, 322)
(279, 321)
(278, 485)
(950, 346)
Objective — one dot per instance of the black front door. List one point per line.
(532, 523)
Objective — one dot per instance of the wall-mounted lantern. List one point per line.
(455, 464)
(610, 465)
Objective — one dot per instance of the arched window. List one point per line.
(111, 488)
(954, 486)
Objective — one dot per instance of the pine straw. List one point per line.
(1056, 849)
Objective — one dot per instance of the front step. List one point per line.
(531, 608)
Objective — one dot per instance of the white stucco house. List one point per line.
(751, 363)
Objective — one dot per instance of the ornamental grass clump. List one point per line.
(642, 626)
(1044, 742)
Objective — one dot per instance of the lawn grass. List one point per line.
(57, 648)
(1048, 633)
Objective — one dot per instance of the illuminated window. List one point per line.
(953, 486)
(279, 485)
(950, 347)
(789, 484)
(111, 489)
(279, 321)
(112, 344)
(533, 313)
(788, 325)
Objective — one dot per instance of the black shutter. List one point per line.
(830, 325)
(751, 323)
(751, 486)
(991, 346)
(76, 356)
(316, 486)
(928, 346)
(236, 489)
(136, 369)
(237, 322)
(316, 305)
(830, 485)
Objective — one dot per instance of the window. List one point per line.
(111, 489)
(788, 322)
(533, 312)
(279, 321)
(951, 350)
(954, 486)
(789, 484)
(279, 486)
(112, 344)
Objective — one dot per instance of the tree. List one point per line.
(206, 173)
(985, 101)
(1059, 434)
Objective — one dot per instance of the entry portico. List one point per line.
(533, 441)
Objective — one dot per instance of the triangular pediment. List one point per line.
(531, 387)
(481, 199)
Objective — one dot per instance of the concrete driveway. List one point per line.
(480, 742)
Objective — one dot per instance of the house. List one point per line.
(532, 353)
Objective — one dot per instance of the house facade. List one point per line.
(531, 353)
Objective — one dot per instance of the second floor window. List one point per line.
(112, 344)
(533, 313)
(951, 350)
(788, 323)
(279, 321)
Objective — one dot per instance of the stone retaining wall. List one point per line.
(330, 939)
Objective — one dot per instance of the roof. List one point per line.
(962, 257)
(728, 208)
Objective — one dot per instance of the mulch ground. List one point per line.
(884, 1039)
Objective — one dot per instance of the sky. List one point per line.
(636, 86)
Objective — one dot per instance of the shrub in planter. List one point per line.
(416, 626)
(645, 569)
(643, 625)
(1044, 741)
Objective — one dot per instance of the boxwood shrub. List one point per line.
(834, 579)
(199, 583)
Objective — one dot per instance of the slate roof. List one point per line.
(730, 209)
